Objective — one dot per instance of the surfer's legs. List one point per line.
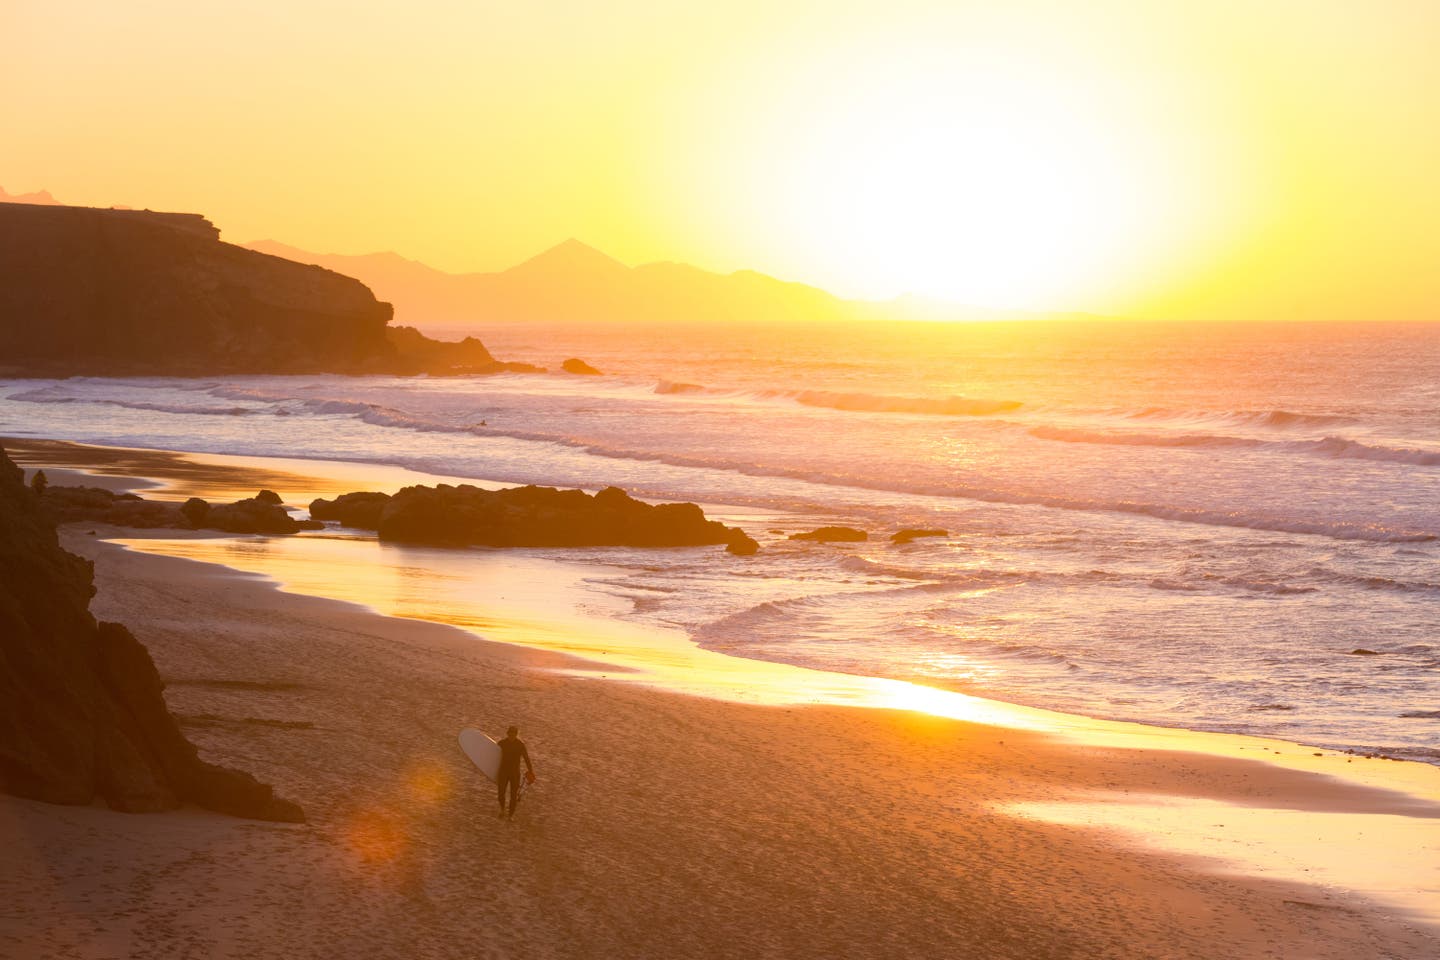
(512, 782)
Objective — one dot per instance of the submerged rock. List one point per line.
(576, 365)
(911, 533)
(741, 544)
(829, 534)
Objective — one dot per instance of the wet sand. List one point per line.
(664, 824)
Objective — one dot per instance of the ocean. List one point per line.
(1182, 525)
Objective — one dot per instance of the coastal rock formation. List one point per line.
(81, 706)
(742, 544)
(117, 292)
(576, 365)
(913, 533)
(262, 513)
(529, 516)
(829, 534)
(359, 510)
(417, 353)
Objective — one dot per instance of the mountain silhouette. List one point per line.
(573, 281)
(39, 198)
(570, 259)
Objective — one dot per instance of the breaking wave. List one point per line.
(1240, 418)
(44, 395)
(856, 402)
(1337, 447)
(667, 386)
(881, 403)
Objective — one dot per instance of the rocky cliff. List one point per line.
(82, 712)
(85, 290)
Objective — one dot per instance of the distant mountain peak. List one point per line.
(40, 197)
(568, 256)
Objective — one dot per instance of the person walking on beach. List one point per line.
(512, 751)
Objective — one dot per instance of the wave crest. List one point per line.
(1340, 448)
(1244, 418)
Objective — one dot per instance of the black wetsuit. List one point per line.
(512, 751)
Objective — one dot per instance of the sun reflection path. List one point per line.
(1392, 859)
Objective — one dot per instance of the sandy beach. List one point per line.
(664, 824)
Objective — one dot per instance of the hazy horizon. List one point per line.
(1129, 158)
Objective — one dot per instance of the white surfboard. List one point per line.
(482, 751)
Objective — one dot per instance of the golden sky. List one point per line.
(1267, 159)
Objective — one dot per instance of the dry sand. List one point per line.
(663, 825)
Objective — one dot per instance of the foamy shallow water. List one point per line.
(1185, 526)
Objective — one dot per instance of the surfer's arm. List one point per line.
(525, 752)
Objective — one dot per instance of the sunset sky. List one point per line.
(1267, 159)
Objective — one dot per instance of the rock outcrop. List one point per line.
(578, 366)
(915, 533)
(262, 513)
(829, 534)
(85, 290)
(742, 544)
(81, 707)
(529, 516)
(417, 353)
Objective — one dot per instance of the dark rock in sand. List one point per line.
(911, 533)
(81, 707)
(530, 516)
(829, 534)
(259, 514)
(361, 510)
(144, 514)
(1362, 652)
(68, 504)
(195, 511)
(576, 365)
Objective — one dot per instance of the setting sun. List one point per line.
(996, 183)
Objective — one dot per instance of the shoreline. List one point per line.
(1023, 774)
(176, 475)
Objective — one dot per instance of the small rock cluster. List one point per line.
(262, 513)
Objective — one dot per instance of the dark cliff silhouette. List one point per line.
(82, 711)
(85, 290)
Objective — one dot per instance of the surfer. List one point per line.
(512, 751)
